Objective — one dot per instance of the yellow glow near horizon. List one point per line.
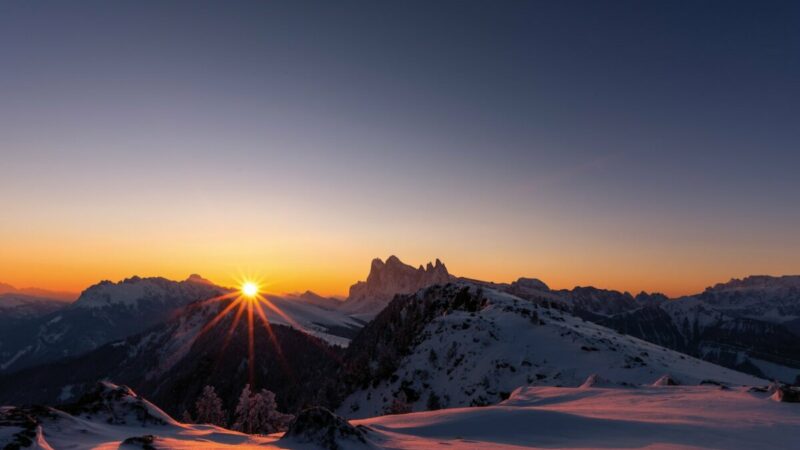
(250, 289)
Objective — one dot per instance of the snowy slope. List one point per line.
(110, 417)
(751, 325)
(668, 417)
(477, 355)
(315, 318)
(696, 417)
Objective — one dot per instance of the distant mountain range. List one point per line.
(405, 338)
(19, 314)
(14, 306)
(64, 296)
(104, 312)
(749, 325)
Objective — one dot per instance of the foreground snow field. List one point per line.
(650, 417)
(656, 417)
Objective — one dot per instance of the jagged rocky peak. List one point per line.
(389, 278)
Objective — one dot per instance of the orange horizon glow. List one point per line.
(302, 156)
(333, 278)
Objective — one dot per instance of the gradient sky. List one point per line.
(628, 145)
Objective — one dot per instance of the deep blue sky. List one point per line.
(636, 145)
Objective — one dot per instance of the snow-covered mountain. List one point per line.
(465, 344)
(63, 296)
(387, 279)
(199, 346)
(750, 325)
(443, 347)
(104, 312)
(763, 298)
(14, 306)
(19, 313)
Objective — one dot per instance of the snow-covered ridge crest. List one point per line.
(760, 282)
(468, 345)
(134, 290)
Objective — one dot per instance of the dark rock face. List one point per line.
(26, 420)
(387, 279)
(325, 430)
(143, 442)
(786, 394)
(117, 405)
(650, 323)
(666, 380)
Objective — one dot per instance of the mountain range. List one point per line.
(64, 296)
(406, 339)
(748, 325)
(103, 312)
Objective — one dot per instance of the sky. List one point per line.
(627, 145)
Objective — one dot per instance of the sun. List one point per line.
(249, 289)
(247, 304)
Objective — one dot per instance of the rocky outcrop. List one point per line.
(387, 279)
(786, 394)
(117, 405)
(324, 429)
(666, 380)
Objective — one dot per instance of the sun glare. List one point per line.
(248, 304)
(249, 289)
